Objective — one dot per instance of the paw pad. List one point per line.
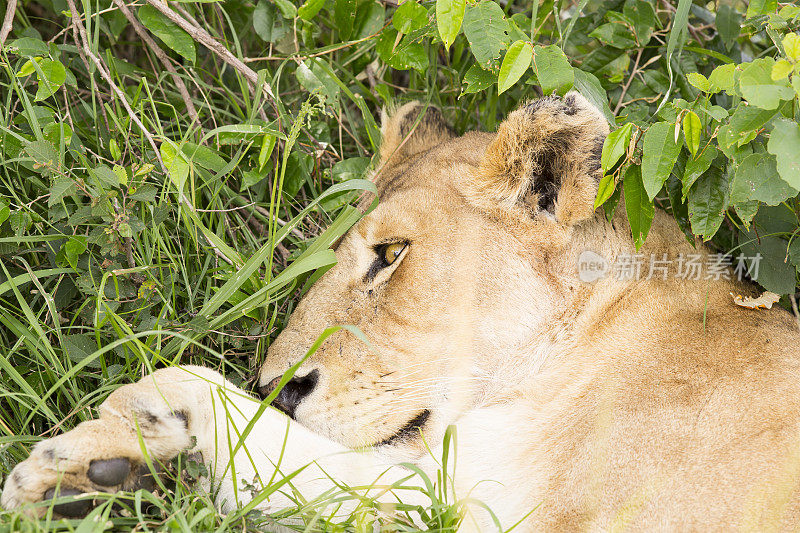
(109, 472)
(74, 509)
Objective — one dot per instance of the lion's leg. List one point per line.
(186, 409)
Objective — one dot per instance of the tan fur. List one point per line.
(642, 404)
(652, 404)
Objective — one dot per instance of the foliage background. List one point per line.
(168, 172)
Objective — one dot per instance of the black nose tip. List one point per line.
(290, 396)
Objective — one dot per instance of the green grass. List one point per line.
(134, 235)
(109, 270)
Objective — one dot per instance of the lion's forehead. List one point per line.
(434, 168)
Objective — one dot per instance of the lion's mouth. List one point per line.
(409, 430)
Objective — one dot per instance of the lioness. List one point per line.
(644, 402)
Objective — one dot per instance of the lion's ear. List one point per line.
(544, 159)
(411, 129)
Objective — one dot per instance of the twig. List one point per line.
(318, 54)
(79, 30)
(294, 231)
(630, 80)
(262, 231)
(8, 20)
(794, 308)
(203, 37)
(142, 33)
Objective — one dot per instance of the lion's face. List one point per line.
(448, 284)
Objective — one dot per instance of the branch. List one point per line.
(78, 29)
(8, 20)
(203, 37)
(142, 33)
(630, 79)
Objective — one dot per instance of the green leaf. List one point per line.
(515, 63)
(51, 76)
(43, 153)
(449, 16)
(143, 193)
(552, 69)
(267, 145)
(369, 19)
(315, 78)
(759, 88)
(615, 34)
(728, 23)
(781, 70)
(659, 153)
(791, 45)
(784, 143)
(699, 81)
(757, 178)
(5, 210)
(344, 16)
(774, 272)
(122, 175)
(74, 247)
(589, 86)
(708, 200)
(486, 30)
(723, 78)
(79, 348)
(177, 166)
(696, 167)
(679, 208)
(761, 7)
(746, 212)
(298, 170)
(407, 55)
(309, 9)
(20, 221)
(28, 46)
(605, 190)
(691, 131)
(61, 187)
(288, 9)
(410, 55)
(638, 206)
(114, 149)
(745, 119)
(125, 230)
(166, 30)
(251, 177)
(477, 79)
(643, 16)
(203, 156)
(266, 22)
(27, 68)
(409, 16)
(615, 146)
(348, 169)
(106, 178)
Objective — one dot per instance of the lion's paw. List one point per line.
(103, 455)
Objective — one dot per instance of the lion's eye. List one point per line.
(390, 252)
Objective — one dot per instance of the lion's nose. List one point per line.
(295, 390)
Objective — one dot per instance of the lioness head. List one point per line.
(458, 278)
